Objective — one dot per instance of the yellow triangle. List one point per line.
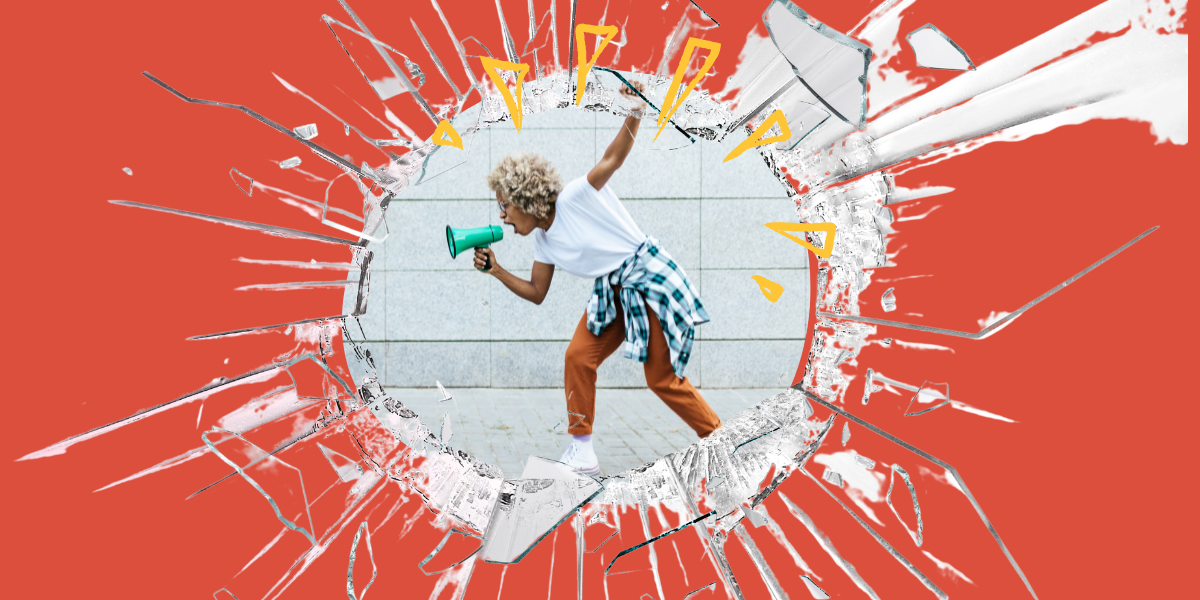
(451, 136)
(670, 103)
(828, 228)
(609, 32)
(769, 288)
(515, 106)
(754, 142)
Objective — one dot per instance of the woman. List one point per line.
(583, 229)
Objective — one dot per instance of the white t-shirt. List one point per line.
(592, 233)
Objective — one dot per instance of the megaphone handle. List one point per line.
(487, 261)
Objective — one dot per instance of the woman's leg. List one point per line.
(584, 355)
(678, 393)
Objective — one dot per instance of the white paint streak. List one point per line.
(264, 550)
(947, 568)
(862, 485)
(922, 346)
(61, 447)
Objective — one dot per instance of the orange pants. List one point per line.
(587, 351)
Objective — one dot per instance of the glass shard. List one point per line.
(845, 434)
(347, 470)
(864, 461)
(658, 537)
(868, 387)
(759, 425)
(833, 477)
(248, 190)
(374, 60)
(363, 531)
(598, 529)
(306, 132)
(459, 550)
(887, 342)
(828, 547)
(529, 509)
(128, 171)
(564, 425)
(816, 592)
(224, 594)
(712, 587)
(445, 395)
(917, 536)
(999, 324)
(937, 394)
(755, 518)
(935, 50)
(888, 300)
(446, 432)
(280, 483)
(290, 163)
(322, 152)
(442, 159)
(829, 63)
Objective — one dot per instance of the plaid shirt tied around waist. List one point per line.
(649, 276)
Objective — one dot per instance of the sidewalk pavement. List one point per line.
(504, 426)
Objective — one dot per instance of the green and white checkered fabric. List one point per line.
(649, 276)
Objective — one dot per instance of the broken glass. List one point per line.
(445, 395)
(527, 510)
(865, 462)
(833, 477)
(918, 535)
(868, 386)
(363, 531)
(937, 394)
(829, 63)
(753, 515)
(446, 432)
(442, 159)
(602, 93)
(998, 324)
(565, 424)
(280, 483)
(813, 589)
(246, 188)
(845, 433)
(658, 537)
(306, 132)
(888, 300)
(935, 50)
(753, 429)
(376, 61)
(828, 547)
(712, 587)
(128, 171)
(270, 229)
(459, 551)
(598, 529)
(290, 163)
(347, 469)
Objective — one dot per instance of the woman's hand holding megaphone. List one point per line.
(485, 260)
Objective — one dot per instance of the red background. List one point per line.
(1088, 489)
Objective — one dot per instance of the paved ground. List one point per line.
(504, 426)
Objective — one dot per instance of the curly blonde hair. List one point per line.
(528, 181)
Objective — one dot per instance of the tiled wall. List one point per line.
(434, 318)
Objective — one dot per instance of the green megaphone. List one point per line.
(476, 237)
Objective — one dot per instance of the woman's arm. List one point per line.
(533, 291)
(620, 147)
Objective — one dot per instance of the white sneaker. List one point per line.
(581, 457)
